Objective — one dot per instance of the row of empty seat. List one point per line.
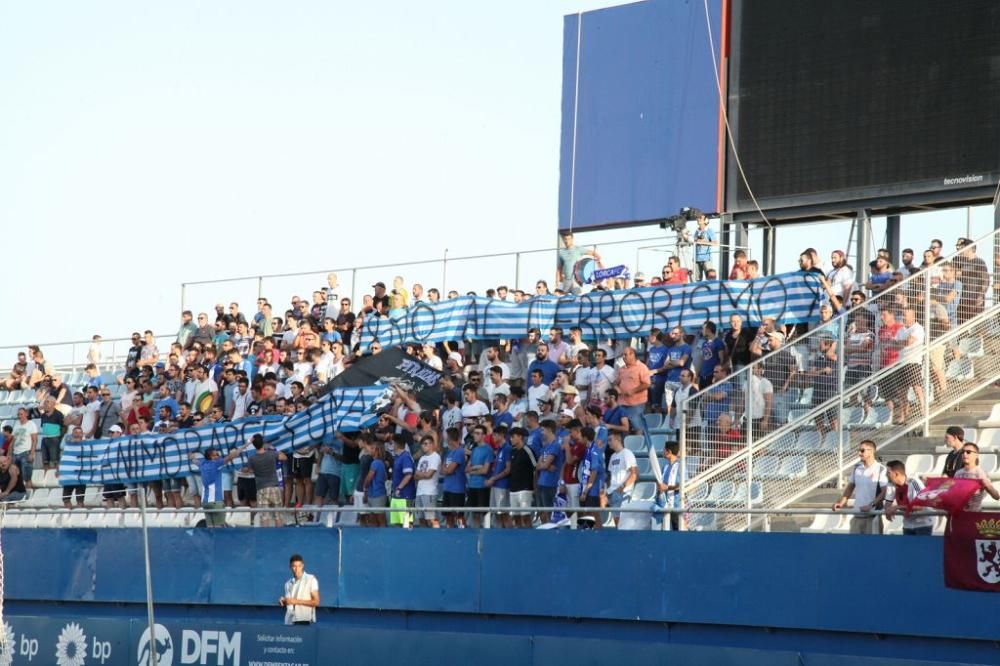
(100, 518)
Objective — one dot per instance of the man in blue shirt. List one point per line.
(550, 466)
(671, 481)
(477, 470)
(166, 400)
(713, 352)
(656, 360)
(704, 239)
(717, 400)
(534, 438)
(404, 487)
(548, 369)
(453, 473)
(211, 479)
(328, 481)
(499, 480)
(678, 359)
(592, 473)
(614, 414)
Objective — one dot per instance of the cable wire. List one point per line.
(725, 118)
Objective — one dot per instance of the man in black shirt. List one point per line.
(780, 369)
(955, 438)
(974, 275)
(737, 340)
(522, 477)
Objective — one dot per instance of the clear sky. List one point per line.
(147, 144)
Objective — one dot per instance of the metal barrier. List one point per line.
(843, 382)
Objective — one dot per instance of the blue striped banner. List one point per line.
(154, 456)
(791, 298)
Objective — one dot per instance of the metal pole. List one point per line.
(183, 296)
(260, 286)
(354, 286)
(444, 275)
(926, 402)
(682, 475)
(141, 490)
(517, 271)
(841, 362)
(749, 410)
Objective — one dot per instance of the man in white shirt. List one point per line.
(491, 358)
(537, 391)
(868, 483)
(910, 339)
(602, 377)
(198, 390)
(301, 594)
(623, 470)
(428, 466)
(473, 409)
(240, 399)
(841, 278)
(760, 396)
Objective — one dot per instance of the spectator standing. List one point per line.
(868, 484)
(910, 341)
(916, 522)
(602, 378)
(656, 361)
(623, 471)
(331, 454)
(670, 482)
(954, 437)
(477, 471)
(592, 473)
(404, 486)
(428, 468)
(971, 470)
(544, 364)
(210, 467)
(498, 484)
(974, 274)
(264, 463)
(25, 444)
(737, 342)
(841, 275)
(704, 241)
(739, 270)
(549, 468)
(713, 353)
(522, 477)
(375, 480)
(633, 384)
(301, 594)
(453, 473)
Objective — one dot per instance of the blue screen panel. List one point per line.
(642, 138)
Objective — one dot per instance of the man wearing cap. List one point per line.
(380, 300)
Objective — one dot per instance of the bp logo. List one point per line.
(162, 642)
(7, 646)
(71, 648)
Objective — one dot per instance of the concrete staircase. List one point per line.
(967, 415)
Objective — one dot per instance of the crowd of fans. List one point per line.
(538, 421)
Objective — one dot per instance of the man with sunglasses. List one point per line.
(868, 484)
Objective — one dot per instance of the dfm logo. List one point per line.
(205, 648)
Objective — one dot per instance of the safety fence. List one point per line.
(883, 370)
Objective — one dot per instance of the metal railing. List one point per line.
(191, 516)
(833, 399)
(437, 269)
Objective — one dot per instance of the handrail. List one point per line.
(905, 282)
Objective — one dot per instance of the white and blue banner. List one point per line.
(791, 298)
(154, 456)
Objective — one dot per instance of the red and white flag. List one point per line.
(972, 551)
(947, 494)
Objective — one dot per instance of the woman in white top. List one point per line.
(972, 470)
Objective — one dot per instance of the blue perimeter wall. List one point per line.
(506, 597)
